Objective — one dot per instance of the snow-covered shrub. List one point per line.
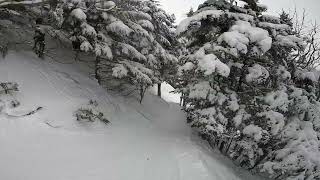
(8, 87)
(90, 113)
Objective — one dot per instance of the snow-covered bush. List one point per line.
(90, 113)
(8, 87)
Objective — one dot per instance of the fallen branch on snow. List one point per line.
(24, 114)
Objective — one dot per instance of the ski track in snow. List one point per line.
(143, 142)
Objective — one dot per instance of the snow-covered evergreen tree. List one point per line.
(162, 57)
(129, 33)
(244, 92)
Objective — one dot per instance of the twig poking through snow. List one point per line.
(52, 125)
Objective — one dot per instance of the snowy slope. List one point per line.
(143, 142)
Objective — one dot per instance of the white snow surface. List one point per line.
(143, 142)
(167, 93)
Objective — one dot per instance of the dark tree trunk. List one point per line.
(184, 103)
(96, 70)
(159, 89)
(318, 93)
(143, 90)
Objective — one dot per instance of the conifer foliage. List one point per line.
(135, 36)
(244, 92)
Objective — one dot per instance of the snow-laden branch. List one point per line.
(110, 5)
(26, 2)
(106, 9)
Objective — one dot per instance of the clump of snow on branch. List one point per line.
(119, 71)
(186, 67)
(183, 26)
(78, 14)
(257, 73)
(242, 33)
(253, 131)
(119, 27)
(211, 64)
(86, 46)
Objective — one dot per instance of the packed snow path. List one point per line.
(143, 142)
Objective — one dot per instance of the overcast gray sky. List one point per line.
(181, 7)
